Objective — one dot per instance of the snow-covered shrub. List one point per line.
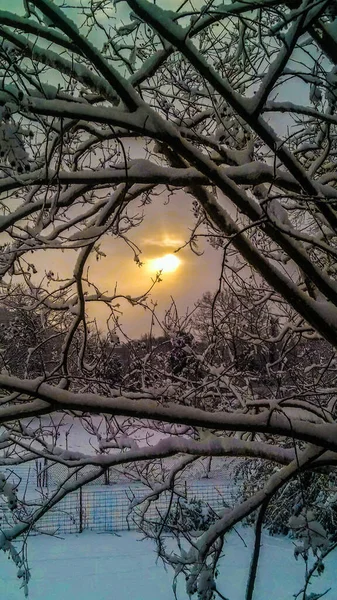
(310, 490)
(309, 532)
(181, 357)
(190, 515)
(201, 582)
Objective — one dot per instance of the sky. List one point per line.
(165, 228)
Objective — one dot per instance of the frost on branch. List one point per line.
(7, 490)
(12, 149)
(18, 559)
(8, 493)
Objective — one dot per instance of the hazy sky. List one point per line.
(164, 229)
(166, 226)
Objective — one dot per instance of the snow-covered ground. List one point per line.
(106, 567)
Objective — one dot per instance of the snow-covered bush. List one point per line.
(309, 532)
(315, 491)
(201, 582)
(192, 515)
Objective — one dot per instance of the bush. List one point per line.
(190, 515)
(316, 491)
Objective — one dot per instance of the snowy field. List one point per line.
(91, 566)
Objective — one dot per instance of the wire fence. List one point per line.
(42, 476)
(108, 509)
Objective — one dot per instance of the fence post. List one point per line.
(38, 473)
(106, 477)
(81, 511)
(45, 473)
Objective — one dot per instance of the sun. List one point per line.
(165, 264)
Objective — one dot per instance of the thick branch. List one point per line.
(49, 399)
